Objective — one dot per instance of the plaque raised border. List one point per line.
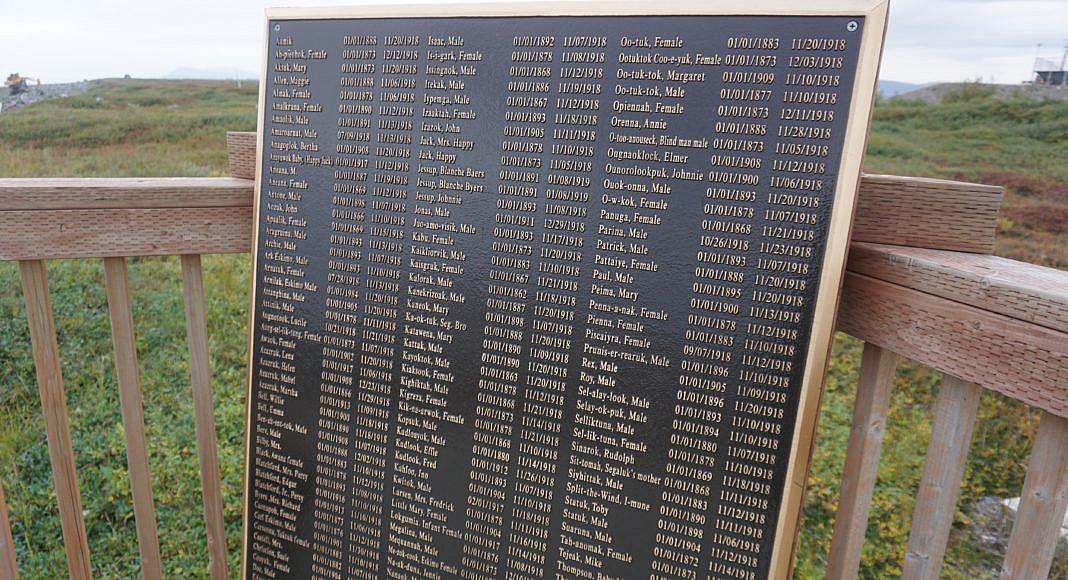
(875, 14)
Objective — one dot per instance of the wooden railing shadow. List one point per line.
(920, 284)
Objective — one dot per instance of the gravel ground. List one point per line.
(34, 93)
(934, 93)
(989, 524)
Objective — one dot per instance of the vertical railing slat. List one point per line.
(116, 282)
(204, 411)
(9, 567)
(947, 453)
(54, 409)
(1042, 503)
(862, 460)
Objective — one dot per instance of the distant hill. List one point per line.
(210, 73)
(893, 88)
(936, 92)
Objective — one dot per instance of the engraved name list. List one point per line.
(533, 295)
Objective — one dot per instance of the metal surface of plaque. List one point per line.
(546, 291)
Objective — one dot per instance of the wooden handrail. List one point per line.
(927, 213)
(986, 322)
(1017, 358)
(67, 193)
(1015, 289)
(45, 219)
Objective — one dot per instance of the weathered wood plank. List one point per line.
(125, 193)
(927, 213)
(116, 284)
(1018, 359)
(101, 233)
(1017, 289)
(936, 503)
(9, 567)
(241, 151)
(54, 409)
(204, 414)
(1042, 503)
(872, 404)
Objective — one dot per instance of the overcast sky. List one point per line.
(66, 40)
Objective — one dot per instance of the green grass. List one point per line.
(84, 335)
(124, 128)
(128, 128)
(1021, 144)
(142, 128)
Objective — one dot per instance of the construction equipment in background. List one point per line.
(1048, 72)
(18, 83)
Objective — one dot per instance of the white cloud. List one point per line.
(954, 40)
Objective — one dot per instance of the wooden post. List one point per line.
(1042, 503)
(9, 567)
(947, 454)
(54, 408)
(204, 413)
(862, 460)
(116, 284)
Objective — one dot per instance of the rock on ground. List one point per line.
(34, 93)
(988, 531)
(935, 93)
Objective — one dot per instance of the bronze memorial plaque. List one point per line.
(546, 290)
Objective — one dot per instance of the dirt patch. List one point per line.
(1019, 184)
(1046, 218)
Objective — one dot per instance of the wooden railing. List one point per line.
(920, 284)
(114, 219)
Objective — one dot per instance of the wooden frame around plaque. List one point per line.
(875, 13)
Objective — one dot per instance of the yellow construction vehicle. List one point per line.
(18, 83)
